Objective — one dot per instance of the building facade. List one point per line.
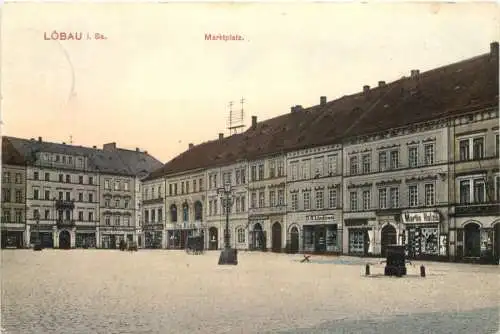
(475, 186)
(61, 200)
(314, 190)
(117, 210)
(153, 213)
(235, 201)
(395, 191)
(13, 206)
(184, 203)
(267, 219)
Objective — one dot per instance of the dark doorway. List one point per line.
(257, 238)
(64, 240)
(388, 237)
(213, 242)
(294, 240)
(276, 237)
(112, 241)
(472, 242)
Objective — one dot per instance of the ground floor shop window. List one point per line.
(358, 241)
(45, 238)
(423, 241)
(153, 239)
(85, 240)
(12, 239)
(321, 238)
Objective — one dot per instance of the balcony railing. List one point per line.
(65, 204)
(153, 201)
(65, 223)
(478, 209)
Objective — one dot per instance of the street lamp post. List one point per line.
(38, 242)
(228, 254)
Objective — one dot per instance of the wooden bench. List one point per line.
(305, 259)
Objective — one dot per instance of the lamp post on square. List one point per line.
(228, 254)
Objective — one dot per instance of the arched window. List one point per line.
(198, 211)
(173, 213)
(185, 212)
(241, 235)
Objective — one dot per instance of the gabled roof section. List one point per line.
(442, 92)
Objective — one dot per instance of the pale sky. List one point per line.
(157, 84)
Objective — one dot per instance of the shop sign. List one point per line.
(320, 217)
(356, 222)
(421, 217)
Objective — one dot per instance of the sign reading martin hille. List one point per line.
(421, 217)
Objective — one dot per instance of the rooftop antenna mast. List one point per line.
(236, 120)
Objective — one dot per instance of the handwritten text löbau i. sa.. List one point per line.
(69, 36)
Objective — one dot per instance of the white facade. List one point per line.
(185, 207)
(386, 176)
(58, 182)
(117, 210)
(314, 191)
(152, 213)
(237, 176)
(267, 202)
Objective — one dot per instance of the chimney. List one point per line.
(109, 147)
(94, 146)
(254, 122)
(322, 100)
(40, 139)
(221, 136)
(298, 107)
(145, 152)
(366, 89)
(292, 109)
(64, 143)
(415, 73)
(381, 83)
(137, 149)
(494, 49)
(191, 145)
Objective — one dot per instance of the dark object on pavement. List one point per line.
(305, 259)
(422, 271)
(367, 269)
(228, 256)
(194, 245)
(395, 261)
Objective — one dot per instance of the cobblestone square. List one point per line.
(105, 291)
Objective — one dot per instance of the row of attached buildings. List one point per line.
(412, 162)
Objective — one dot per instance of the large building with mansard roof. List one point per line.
(359, 172)
(74, 196)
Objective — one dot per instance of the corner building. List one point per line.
(77, 196)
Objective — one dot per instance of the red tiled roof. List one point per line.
(441, 92)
